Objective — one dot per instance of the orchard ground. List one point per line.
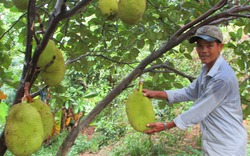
(191, 138)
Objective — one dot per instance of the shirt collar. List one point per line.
(215, 67)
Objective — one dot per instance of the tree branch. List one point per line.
(204, 16)
(239, 15)
(75, 9)
(169, 69)
(13, 25)
(29, 34)
(96, 55)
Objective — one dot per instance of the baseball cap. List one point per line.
(209, 33)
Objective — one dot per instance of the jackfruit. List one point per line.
(21, 4)
(23, 130)
(52, 65)
(139, 110)
(108, 7)
(58, 63)
(53, 78)
(46, 115)
(131, 11)
(47, 56)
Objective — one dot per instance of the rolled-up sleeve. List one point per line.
(189, 93)
(212, 98)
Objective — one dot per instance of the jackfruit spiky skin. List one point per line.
(53, 78)
(131, 11)
(58, 62)
(52, 65)
(21, 4)
(23, 130)
(46, 115)
(47, 56)
(140, 111)
(108, 7)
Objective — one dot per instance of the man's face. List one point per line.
(208, 51)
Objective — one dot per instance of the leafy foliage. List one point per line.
(3, 113)
(100, 51)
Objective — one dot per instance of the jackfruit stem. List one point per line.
(27, 97)
(140, 86)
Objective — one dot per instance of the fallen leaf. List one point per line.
(2, 95)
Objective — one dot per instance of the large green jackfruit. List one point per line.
(58, 63)
(53, 78)
(108, 7)
(23, 130)
(52, 65)
(139, 110)
(47, 56)
(46, 115)
(21, 4)
(131, 11)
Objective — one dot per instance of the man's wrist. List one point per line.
(165, 126)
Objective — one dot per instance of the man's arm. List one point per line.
(154, 94)
(159, 126)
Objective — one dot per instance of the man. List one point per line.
(217, 105)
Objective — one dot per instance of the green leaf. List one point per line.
(5, 60)
(170, 77)
(162, 104)
(58, 89)
(3, 112)
(240, 22)
(8, 4)
(188, 56)
(90, 95)
(239, 33)
(246, 112)
(247, 28)
(133, 54)
(233, 36)
(140, 44)
(240, 63)
(177, 85)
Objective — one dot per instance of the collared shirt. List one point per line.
(217, 108)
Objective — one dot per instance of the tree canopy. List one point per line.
(102, 49)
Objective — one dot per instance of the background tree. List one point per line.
(92, 42)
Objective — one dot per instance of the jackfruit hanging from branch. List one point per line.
(139, 110)
(131, 11)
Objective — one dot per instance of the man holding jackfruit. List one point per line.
(217, 105)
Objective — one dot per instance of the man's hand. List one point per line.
(155, 127)
(159, 126)
(154, 94)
